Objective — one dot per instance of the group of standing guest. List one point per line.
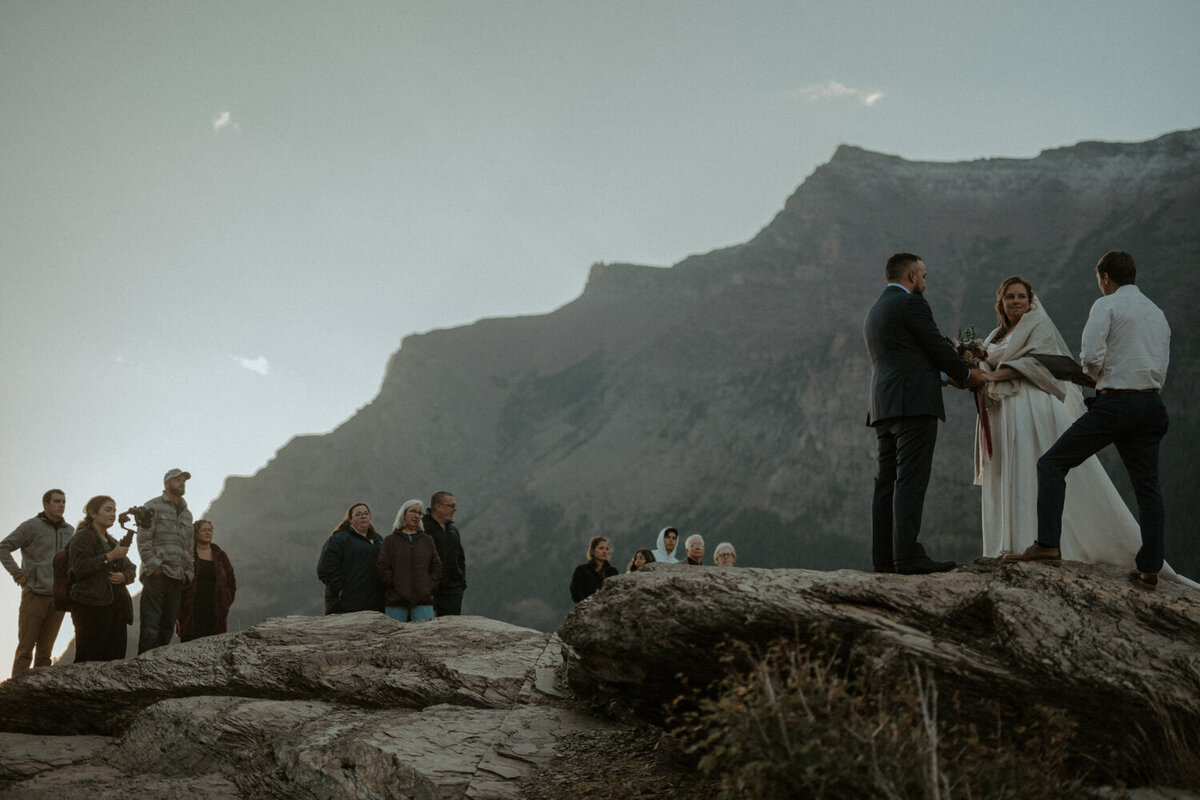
(589, 575)
(188, 581)
(416, 572)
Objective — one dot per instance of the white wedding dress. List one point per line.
(1026, 419)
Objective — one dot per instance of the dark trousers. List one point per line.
(1135, 423)
(99, 632)
(448, 602)
(905, 460)
(159, 608)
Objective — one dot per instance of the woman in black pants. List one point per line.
(100, 604)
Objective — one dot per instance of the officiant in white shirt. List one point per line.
(1126, 348)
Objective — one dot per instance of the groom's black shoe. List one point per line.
(888, 568)
(922, 565)
(1035, 552)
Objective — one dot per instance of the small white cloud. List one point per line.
(223, 120)
(835, 89)
(259, 365)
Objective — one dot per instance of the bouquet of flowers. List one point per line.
(969, 347)
(971, 350)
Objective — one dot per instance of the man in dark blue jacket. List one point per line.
(908, 357)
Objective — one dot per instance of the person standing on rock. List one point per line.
(907, 351)
(348, 563)
(408, 567)
(164, 545)
(694, 547)
(204, 609)
(589, 575)
(101, 608)
(1126, 348)
(38, 539)
(439, 523)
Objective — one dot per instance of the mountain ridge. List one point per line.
(726, 394)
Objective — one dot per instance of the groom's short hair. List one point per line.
(1118, 266)
(899, 265)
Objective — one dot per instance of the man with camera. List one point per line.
(38, 539)
(164, 543)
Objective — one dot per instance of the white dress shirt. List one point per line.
(1126, 341)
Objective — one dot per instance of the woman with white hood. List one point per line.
(668, 550)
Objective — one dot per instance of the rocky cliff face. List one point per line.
(725, 395)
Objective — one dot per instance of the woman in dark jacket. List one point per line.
(409, 567)
(588, 577)
(347, 565)
(204, 608)
(100, 603)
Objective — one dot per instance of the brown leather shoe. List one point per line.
(1144, 580)
(1035, 552)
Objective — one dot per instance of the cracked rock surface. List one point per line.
(347, 706)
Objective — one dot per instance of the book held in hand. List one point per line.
(1065, 368)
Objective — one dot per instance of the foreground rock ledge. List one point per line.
(1076, 636)
(358, 706)
(301, 707)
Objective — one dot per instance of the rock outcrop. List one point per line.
(343, 706)
(1073, 636)
(359, 706)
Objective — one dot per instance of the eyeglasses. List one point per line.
(449, 505)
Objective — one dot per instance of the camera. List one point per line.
(142, 515)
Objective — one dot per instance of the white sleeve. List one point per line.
(1095, 339)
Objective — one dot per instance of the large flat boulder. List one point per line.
(364, 659)
(345, 706)
(1079, 637)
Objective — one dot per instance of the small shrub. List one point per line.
(1167, 746)
(827, 721)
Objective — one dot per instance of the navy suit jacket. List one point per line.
(908, 354)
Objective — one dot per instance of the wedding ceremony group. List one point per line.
(1045, 495)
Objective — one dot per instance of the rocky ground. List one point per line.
(358, 706)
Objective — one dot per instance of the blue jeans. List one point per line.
(1135, 423)
(159, 608)
(409, 613)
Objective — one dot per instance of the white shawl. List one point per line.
(1035, 333)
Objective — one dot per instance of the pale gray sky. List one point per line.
(218, 219)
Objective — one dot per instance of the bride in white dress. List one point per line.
(1028, 409)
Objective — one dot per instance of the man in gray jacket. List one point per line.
(165, 550)
(38, 539)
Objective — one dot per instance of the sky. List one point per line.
(219, 219)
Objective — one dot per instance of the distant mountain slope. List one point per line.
(726, 395)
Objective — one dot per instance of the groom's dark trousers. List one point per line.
(905, 459)
(1135, 422)
(908, 355)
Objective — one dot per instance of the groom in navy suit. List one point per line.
(908, 359)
